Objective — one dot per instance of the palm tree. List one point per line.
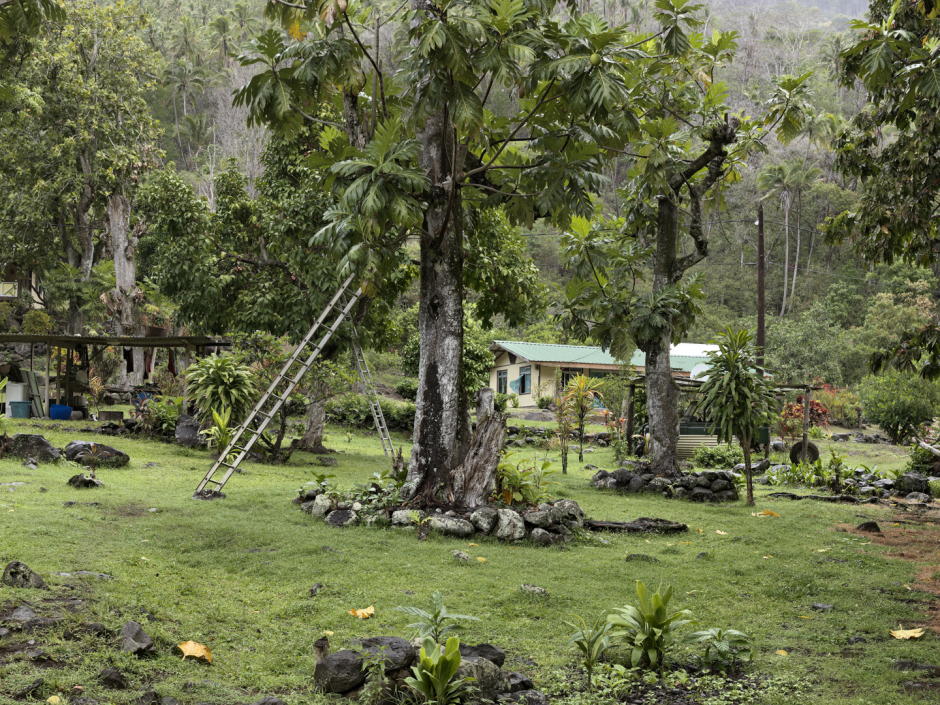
(244, 18)
(222, 32)
(187, 40)
(198, 131)
(190, 81)
(773, 179)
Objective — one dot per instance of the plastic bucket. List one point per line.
(19, 409)
(60, 412)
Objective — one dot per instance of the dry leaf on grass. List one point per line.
(363, 614)
(765, 513)
(481, 559)
(900, 633)
(719, 531)
(780, 652)
(198, 651)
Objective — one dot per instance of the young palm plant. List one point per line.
(434, 623)
(737, 397)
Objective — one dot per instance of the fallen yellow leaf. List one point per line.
(700, 531)
(765, 513)
(363, 614)
(768, 556)
(198, 651)
(327, 633)
(54, 700)
(780, 652)
(481, 559)
(473, 544)
(822, 550)
(900, 633)
(802, 617)
(719, 531)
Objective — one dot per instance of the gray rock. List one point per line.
(374, 520)
(821, 607)
(778, 446)
(461, 556)
(636, 484)
(541, 518)
(340, 672)
(703, 482)
(34, 446)
(885, 484)
(511, 525)
(396, 653)
(608, 482)
(532, 591)
(701, 494)
(30, 464)
(20, 575)
(540, 537)
(857, 640)
(320, 506)
(721, 486)
(869, 526)
(641, 557)
(519, 681)
(485, 519)
(525, 697)
(135, 640)
(452, 526)
(112, 678)
(572, 515)
(95, 455)
(490, 679)
(599, 476)
(84, 482)
(917, 497)
(680, 492)
(342, 517)
(658, 485)
(726, 496)
(22, 613)
(39, 624)
(187, 432)
(840, 437)
(908, 482)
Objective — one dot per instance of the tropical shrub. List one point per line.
(222, 382)
(408, 388)
(353, 410)
(435, 671)
(522, 483)
(163, 413)
(723, 647)
(648, 630)
(37, 322)
(922, 460)
(843, 405)
(501, 402)
(723, 455)
(592, 641)
(545, 402)
(899, 402)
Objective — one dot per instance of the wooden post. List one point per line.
(186, 379)
(48, 374)
(805, 423)
(58, 378)
(630, 416)
(68, 377)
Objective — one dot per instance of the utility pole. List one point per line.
(760, 285)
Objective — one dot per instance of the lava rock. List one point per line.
(511, 525)
(701, 494)
(726, 496)
(541, 518)
(821, 607)
(95, 454)
(636, 484)
(452, 526)
(571, 513)
(490, 679)
(519, 681)
(641, 557)
(525, 697)
(112, 678)
(319, 507)
(32, 445)
(20, 575)
(187, 432)
(396, 653)
(461, 556)
(917, 497)
(540, 537)
(342, 517)
(485, 519)
(135, 640)
(906, 665)
(908, 482)
(857, 640)
(869, 526)
(84, 482)
(658, 485)
(340, 672)
(533, 591)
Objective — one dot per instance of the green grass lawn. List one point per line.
(235, 574)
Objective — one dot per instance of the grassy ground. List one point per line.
(235, 575)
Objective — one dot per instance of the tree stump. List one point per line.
(475, 478)
(486, 403)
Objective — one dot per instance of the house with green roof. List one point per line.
(528, 369)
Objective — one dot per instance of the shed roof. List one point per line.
(683, 356)
(71, 341)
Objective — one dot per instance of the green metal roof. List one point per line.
(587, 355)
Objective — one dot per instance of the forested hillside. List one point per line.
(827, 309)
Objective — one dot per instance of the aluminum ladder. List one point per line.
(270, 402)
(368, 388)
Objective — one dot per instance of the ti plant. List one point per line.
(220, 434)
(649, 630)
(593, 642)
(434, 623)
(434, 673)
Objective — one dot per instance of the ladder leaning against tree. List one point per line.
(293, 371)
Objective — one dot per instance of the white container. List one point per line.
(15, 391)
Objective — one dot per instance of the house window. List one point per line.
(567, 373)
(525, 380)
(501, 382)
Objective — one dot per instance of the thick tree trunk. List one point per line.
(746, 446)
(313, 435)
(126, 292)
(786, 255)
(475, 479)
(442, 418)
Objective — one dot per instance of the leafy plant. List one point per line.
(220, 434)
(514, 401)
(434, 673)
(723, 647)
(222, 382)
(649, 631)
(162, 414)
(565, 421)
(592, 641)
(544, 402)
(523, 483)
(723, 455)
(435, 623)
(899, 402)
(581, 394)
(37, 322)
(408, 388)
(501, 402)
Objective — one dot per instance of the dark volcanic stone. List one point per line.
(31, 445)
(340, 672)
(641, 557)
(187, 432)
(83, 482)
(870, 526)
(491, 653)
(95, 455)
(519, 681)
(397, 653)
(112, 678)
(20, 575)
(857, 640)
(700, 494)
(341, 517)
